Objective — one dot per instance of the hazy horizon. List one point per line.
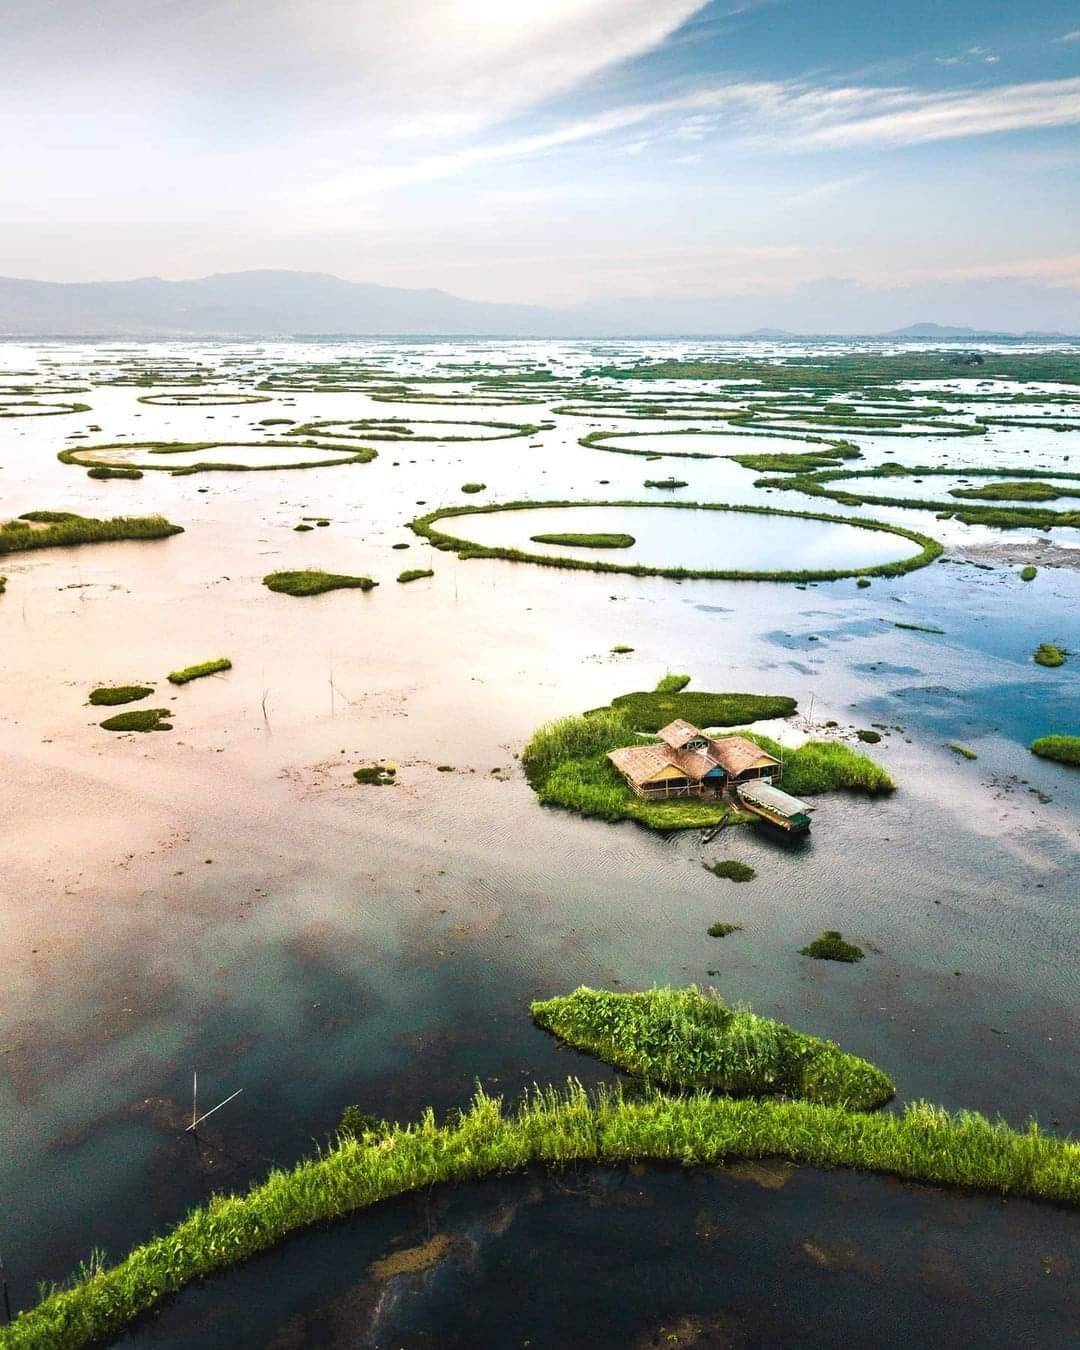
(808, 158)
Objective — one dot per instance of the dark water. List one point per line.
(756, 1256)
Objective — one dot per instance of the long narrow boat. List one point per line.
(778, 808)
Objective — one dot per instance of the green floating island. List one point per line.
(140, 719)
(683, 1038)
(964, 751)
(1046, 654)
(1064, 749)
(730, 869)
(110, 471)
(109, 696)
(651, 710)
(722, 930)
(315, 583)
(376, 775)
(1028, 573)
(190, 673)
(830, 946)
(1015, 492)
(415, 574)
(474, 487)
(64, 529)
(586, 540)
(665, 483)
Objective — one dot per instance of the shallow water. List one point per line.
(224, 897)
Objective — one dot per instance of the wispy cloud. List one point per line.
(1074, 36)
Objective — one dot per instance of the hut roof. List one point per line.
(735, 754)
(677, 733)
(641, 763)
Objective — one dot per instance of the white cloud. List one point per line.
(1074, 36)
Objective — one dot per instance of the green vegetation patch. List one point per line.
(830, 946)
(918, 628)
(376, 775)
(723, 930)
(102, 471)
(672, 684)
(189, 673)
(473, 488)
(964, 751)
(64, 529)
(868, 737)
(89, 456)
(669, 483)
(1028, 573)
(139, 719)
(925, 1144)
(586, 540)
(683, 1038)
(824, 766)
(425, 527)
(1046, 654)
(415, 574)
(315, 583)
(109, 696)
(732, 870)
(1064, 749)
(649, 711)
(1033, 491)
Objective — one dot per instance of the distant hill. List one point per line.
(314, 304)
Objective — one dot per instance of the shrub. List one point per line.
(830, 946)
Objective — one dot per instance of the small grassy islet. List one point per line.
(571, 540)
(140, 719)
(309, 582)
(730, 869)
(415, 574)
(64, 529)
(723, 930)
(189, 673)
(964, 751)
(830, 946)
(1047, 654)
(109, 696)
(1063, 749)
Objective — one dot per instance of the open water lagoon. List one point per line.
(226, 898)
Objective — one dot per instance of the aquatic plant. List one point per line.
(376, 775)
(649, 710)
(473, 487)
(315, 583)
(683, 1038)
(109, 471)
(731, 869)
(586, 540)
(672, 684)
(1028, 573)
(197, 672)
(918, 627)
(722, 930)
(555, 1128)
(671, 483)
(139, 719)
(830, 946)
(868, 737)
(64, 529)
(425, 526)
(1046, 654)
(330, 455)
(621, 649)
(824, 766)
(110, 696)
(415, 574)
(1064, 749)
(962, 750)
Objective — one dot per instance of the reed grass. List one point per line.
(684, 1038)
(556, 1129)
(830, 946)
(671, 684)
(63, 529)
(1064, 749)
(651, 710)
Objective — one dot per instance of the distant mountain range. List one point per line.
(313, 304)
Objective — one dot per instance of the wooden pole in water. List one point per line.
(212, 1110)
(194, 1096)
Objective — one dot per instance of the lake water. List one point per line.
(226, 898)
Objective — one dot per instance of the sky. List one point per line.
(563, 152)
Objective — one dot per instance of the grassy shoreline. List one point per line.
(63, 529)
(926, 1144)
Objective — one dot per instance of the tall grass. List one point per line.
(62, 529)
(555, 1128)
(190, 673)
(684, 1038)
(1065, 749)
(825, 766)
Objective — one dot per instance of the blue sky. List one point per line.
(587, 151)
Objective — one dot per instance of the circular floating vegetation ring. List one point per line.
(401, 429)
(727, 445)
(461, 401)
(201, 400)
(995, 504)
(31, 390)
(34, 408)
(427, 527)
(238, 456)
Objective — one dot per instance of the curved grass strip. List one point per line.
(315, 583)
(401, 429)
(361, 455)
(202, 400)
(425, 527)
(1064, 749)
(1005, 517)
(835, 449)
(683, 1038)
(33, 408)
(63, 529)
(586, 540)
(553, 1128)
(190, 673)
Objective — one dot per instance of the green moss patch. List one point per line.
(315, 583)
(964, 751)
(830, 946)
(683, 1038)
(415, 574)
(730, 869)
(1046, 654)
(140, 719)
(586, 540)
(1064, 749)
(376, 775)
(109, 696)
(190, 673)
